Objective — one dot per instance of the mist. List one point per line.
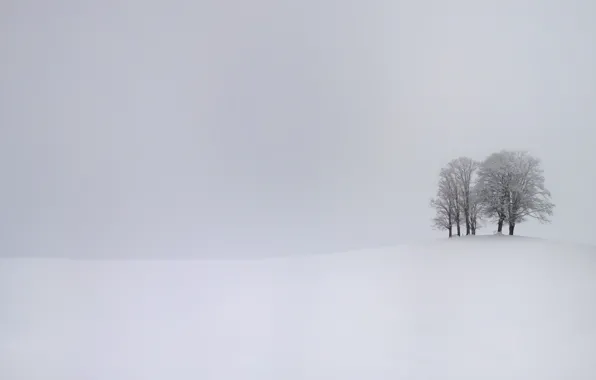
(210, 129)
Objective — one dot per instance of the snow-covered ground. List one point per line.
(469, 308)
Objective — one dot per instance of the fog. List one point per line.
(194, 129)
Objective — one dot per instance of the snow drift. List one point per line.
(469, 308)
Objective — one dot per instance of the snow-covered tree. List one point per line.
(528, 197)
(463, 169)
(511, 188)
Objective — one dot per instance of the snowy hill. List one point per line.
(469, 308)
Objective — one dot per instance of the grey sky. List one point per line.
(194, 128)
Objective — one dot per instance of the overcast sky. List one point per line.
(193, 128)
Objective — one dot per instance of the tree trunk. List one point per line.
(450, 231)
(467, 215)
(511, 228)
(458, 230)
(473, 231)
(500, 226)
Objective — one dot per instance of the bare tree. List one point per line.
(457, 205)
(493, 187)
(444, 215)
(528, 197)
(446, 203)
(475, 209)
(462, 170)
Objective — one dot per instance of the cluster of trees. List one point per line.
(507, 187)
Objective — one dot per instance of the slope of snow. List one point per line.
(469, 308)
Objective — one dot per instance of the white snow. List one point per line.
(471, 308)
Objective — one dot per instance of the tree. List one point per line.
(528, 197)
(463, 169)
(475, 209)
(493, 187)
(511, 188)
(444, 215)
(456, 205)
(446, 203)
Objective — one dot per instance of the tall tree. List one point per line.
(463, 169)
